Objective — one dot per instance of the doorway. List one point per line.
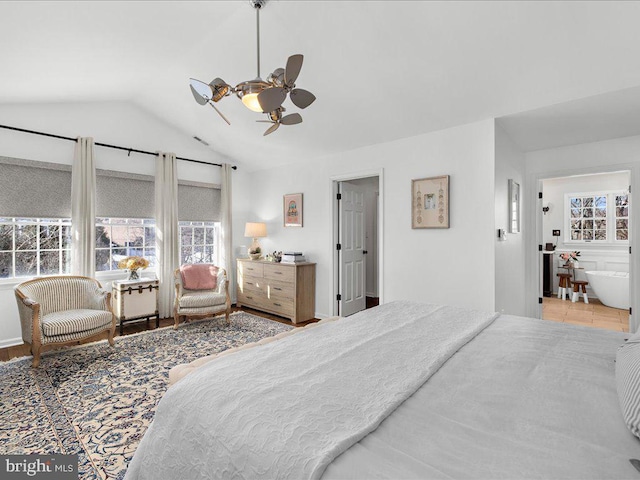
(357, 248)
(585, 219)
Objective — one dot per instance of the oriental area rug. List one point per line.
(97, 401)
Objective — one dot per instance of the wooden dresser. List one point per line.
(284, 289)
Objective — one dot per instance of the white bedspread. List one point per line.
(526, 399)
(287, 409)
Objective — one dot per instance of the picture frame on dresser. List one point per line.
(292, 209)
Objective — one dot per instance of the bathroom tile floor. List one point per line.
(592, 314)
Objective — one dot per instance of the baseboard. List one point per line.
(11, 342)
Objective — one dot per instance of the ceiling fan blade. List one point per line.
(302, 98)
(264, 121)
(201, 91)
(220, 113)
(271, 129)
(292, 119)
(291, 72)
(271, 98)
(199, 98)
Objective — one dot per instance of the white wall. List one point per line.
(509, 264)
(607, 156)
(453, 266)
(118, 123)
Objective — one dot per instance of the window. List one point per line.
(34, 246)
(601, 217)
(199, 242)
(622, 217)
(117, 238)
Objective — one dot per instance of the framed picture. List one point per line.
(514, 206)
(430, 202)
(292, 210)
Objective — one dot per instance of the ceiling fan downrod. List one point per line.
(258, 4)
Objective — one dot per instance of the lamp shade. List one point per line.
(255, 230)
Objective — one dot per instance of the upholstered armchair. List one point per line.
(60, 310)
(200, 300)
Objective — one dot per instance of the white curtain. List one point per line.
(227, 242)
(83, 209)
(167, 241)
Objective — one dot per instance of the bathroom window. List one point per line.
(601, 217)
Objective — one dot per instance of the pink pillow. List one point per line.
(199, 276)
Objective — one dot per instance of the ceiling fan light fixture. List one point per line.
(257, 95)
(248, 93)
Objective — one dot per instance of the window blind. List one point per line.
(198, 202)
(124, 195)
(34, 189)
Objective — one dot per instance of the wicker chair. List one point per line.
(201, 303)
(61, 310)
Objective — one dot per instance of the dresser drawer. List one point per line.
(250, 269)
(252, 284)
(279, 306)
(280, 272)
(278, 289)
(254, 299)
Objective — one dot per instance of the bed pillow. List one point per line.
(628, 383)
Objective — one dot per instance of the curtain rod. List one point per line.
(108, 146)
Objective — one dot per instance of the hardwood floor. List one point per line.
(135, 327)
(592, 314)
(372, 302)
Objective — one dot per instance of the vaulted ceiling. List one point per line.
(381, 70)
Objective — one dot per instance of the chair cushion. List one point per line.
(200, 299)
(73, 321)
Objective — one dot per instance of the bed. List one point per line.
(405, 390)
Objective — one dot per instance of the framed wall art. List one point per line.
(292, 210)
(430, 202)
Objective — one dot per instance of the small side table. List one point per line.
(135, 300)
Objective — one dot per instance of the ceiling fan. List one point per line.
(259, 95)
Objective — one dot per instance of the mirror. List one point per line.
(514, 207)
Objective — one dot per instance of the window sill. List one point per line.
(107, 276)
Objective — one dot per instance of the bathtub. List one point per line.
(611, 288)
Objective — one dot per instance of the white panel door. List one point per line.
(352, 241)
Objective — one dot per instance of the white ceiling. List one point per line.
(592, 119)
(381, 70)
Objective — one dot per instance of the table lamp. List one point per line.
(255, 231)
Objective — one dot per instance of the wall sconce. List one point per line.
(546, 207)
